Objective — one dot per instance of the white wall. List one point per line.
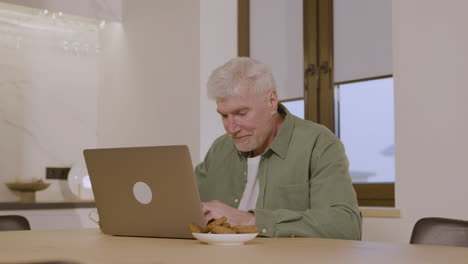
(150, 76)
(430, 64)
(218, 44)
(142, 89)
(48, 99)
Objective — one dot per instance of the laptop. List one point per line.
(144, 191)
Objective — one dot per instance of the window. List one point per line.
(365, 125)
(295, 107)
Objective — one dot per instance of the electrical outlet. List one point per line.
(57, 173)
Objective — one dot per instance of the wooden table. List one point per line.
(91, 246)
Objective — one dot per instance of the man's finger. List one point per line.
(208, 217)
(205, 208)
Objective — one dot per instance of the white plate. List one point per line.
(224, 239)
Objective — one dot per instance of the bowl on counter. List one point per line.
(27, 190)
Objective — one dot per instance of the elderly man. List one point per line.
(286, 175)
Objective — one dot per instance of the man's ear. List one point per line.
(272, 98)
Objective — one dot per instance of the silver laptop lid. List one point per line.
(144, 191)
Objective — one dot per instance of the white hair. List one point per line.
(244, 71)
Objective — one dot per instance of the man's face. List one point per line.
(249, 119)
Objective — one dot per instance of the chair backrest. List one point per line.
(440, 231)
(14, 222)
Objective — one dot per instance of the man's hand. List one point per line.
(217, 209)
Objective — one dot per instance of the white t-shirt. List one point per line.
(249, 198)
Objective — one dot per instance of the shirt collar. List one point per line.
(281, 141)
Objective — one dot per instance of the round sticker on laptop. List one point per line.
(142, 192)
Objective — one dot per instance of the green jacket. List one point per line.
(305, 187)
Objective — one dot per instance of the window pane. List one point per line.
(365, 124)
(295, 107)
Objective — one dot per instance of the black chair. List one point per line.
(440, 231)
(14, 222)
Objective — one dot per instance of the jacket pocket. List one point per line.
(291, 197)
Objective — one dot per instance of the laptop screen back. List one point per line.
(144, 191)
